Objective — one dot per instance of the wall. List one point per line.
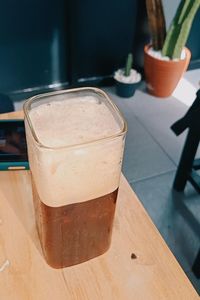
(33, 45)
(55, 44)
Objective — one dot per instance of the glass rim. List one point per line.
(29, 101)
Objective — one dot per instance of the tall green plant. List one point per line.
(156, 21)
(180, 28)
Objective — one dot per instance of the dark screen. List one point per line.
(12, 141)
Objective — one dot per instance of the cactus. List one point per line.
(129, 63)
(156, 21)
(180, 28)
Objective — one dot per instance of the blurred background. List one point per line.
(51, 45)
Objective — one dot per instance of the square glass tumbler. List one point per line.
(75, 142)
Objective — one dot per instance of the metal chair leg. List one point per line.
(196, 266)
(186, 161)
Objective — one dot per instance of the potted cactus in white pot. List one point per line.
(167, 58)
(127, 79)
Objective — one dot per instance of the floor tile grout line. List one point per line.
(151, 177)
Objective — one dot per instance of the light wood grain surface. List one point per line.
(154, 274)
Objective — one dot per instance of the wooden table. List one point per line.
(153, 274)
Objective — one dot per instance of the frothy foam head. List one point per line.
(74, 174)
(75, 121)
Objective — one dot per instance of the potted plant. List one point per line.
(127, 79)
(167, 58)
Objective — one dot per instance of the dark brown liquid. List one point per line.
(75, 233)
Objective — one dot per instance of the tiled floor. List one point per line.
(151, 156)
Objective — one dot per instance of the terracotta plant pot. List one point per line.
(163, 76)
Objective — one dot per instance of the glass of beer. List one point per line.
(75, 142)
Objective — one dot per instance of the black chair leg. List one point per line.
(186, 161)
(196, 266)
